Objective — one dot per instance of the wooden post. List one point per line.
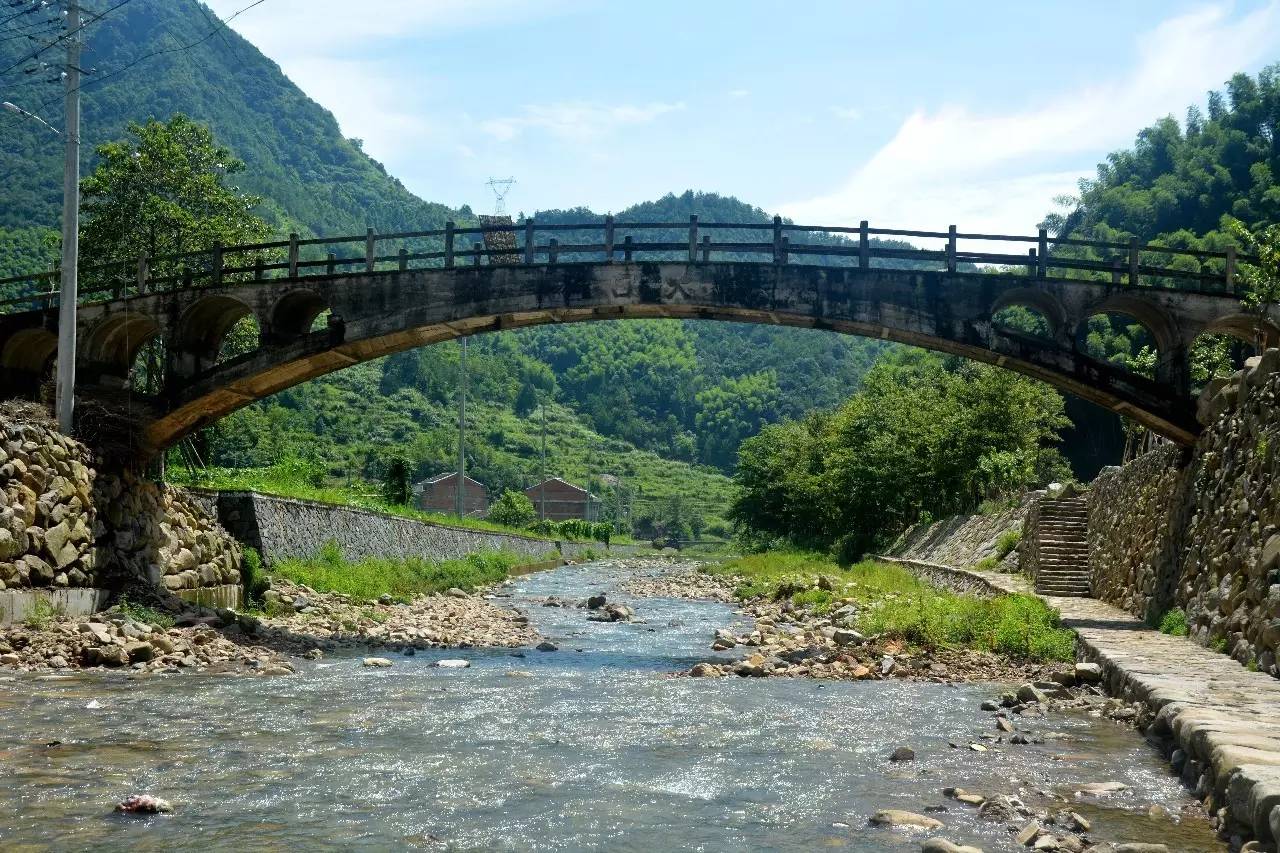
(478, 248)
(332, 266)
(293, 256)
(1115, 271)
(1031, 262)
(217, 265)
(448, 244)
(693, 238)
(626, 248)
(784, 251)
(608, 239)
(528, 241)
(369, 257)
(258, 272)
(864, 246)
(706, 248)
(1230, 276)
(404, 259)
(951, 248)
(1042, 268)
(1133, 261)
(777, 240)
(143, 269)
(553, 251)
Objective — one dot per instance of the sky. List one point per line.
(908, 113)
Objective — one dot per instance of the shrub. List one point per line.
(602, 532)
(543, 527)
(513, 509)
(1006, 543)
(41, 614)
(987, 564)
(819, 599)
(1219, 645)
(142, 613)
(1174, 623)
(255, 581)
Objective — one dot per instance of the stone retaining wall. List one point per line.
(287, 527)
(963, 540)
(949, 577)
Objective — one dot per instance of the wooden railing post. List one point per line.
(553, 251)
(777, 239)
(1133, 261)
(331, 263)
(258, 272)
(1116, 274)
(706, 248)
(528, 241)
(864, 245)
(1032, 266)
(448, 244)
(608, 239)
(293, 256)
(951, 248)
(1042, 256)
(143, 269)
(1230, 275)
(626, 248)
(217, 265)
(370, 257)
(478, 249)
(693, 237)
(784, 251)
(404, 259)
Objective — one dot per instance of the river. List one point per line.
(590, 747)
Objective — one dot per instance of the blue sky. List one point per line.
(909, 114)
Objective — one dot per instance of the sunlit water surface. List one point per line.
(590, 747)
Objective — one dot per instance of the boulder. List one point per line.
(898, 817)
(379, 663)
(1088, 673)
(942, 845)
(903, 753)
(144, 804)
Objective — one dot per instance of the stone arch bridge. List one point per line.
(317, 312)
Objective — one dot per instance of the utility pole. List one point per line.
(459, 502)
(69, 291)
(542, 486)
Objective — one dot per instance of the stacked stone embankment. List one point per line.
(964, 541)
(1202, 534)
(71, 534)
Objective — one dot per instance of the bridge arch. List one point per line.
(1158, 323)
(294, 313)
(113, 343)
(1038, 301)
(30, 351)
(203, 326)
(1244, 327)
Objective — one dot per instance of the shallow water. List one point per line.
(590, 747)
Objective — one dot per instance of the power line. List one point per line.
(60, 39)
(27, 11)
(223, 25)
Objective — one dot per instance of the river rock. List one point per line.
(376, 662)
(144, 804)
(1031, 693)
(942, 845)
(1088, 673)
(1100, 789)
(546, 646)
(898, 817)
(1028, 834)
(453, 663)
(903, 753)
(139, 651)
(595, 602)
(703, 670)
(998, 808)
(1140, 847)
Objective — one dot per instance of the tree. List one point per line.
(162, 191)
(526, 400)
(1261, 280)
(512, 509)
(395, 479)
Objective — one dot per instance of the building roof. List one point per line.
(449, 475)
(562, 482)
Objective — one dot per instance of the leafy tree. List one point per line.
(163, 191)
(395, 478)
(513, 509)
(1262, 280)
(526, 400)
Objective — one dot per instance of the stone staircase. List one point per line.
(1062, 540)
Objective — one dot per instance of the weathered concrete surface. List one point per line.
(17, 605)
(1218, 722)
(229, 595)
(376, 314)
(963, 540)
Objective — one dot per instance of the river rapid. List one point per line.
(593, 746)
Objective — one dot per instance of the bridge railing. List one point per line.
(1126, 265)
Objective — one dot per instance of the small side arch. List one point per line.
(1150, 316)
(294, 314)
(1038, 301)
(1245, 327)
(111, 346)
(204, 325)
(29, 350)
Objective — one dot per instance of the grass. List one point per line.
(330, 571)
(1174, 623)
(142, 613)
(41, 614)
(895, 603)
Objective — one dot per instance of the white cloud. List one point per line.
(738, 94)
(1000, 172)
(577, 121)
(846, 113)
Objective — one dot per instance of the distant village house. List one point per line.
(440, 494)
(564, 501)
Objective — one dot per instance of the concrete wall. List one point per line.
(285, 527)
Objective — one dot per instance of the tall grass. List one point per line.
(330, 571)
(896, 603)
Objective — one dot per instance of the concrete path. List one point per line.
(1219, 722)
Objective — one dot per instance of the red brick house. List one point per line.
(564, 500)
(439, 494)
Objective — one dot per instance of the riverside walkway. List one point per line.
(1219, 722)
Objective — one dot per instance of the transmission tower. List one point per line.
(500, 187)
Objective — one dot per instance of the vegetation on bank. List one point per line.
(895, 603)
(926, 437)
(402, 579)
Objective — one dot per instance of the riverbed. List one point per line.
(589, 747)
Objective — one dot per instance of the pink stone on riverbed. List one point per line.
(144, 804)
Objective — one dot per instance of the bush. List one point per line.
(1174, 623)
(1006, 543)
(513, 509)
(142, 613)
(41, 614)
(255, 581)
